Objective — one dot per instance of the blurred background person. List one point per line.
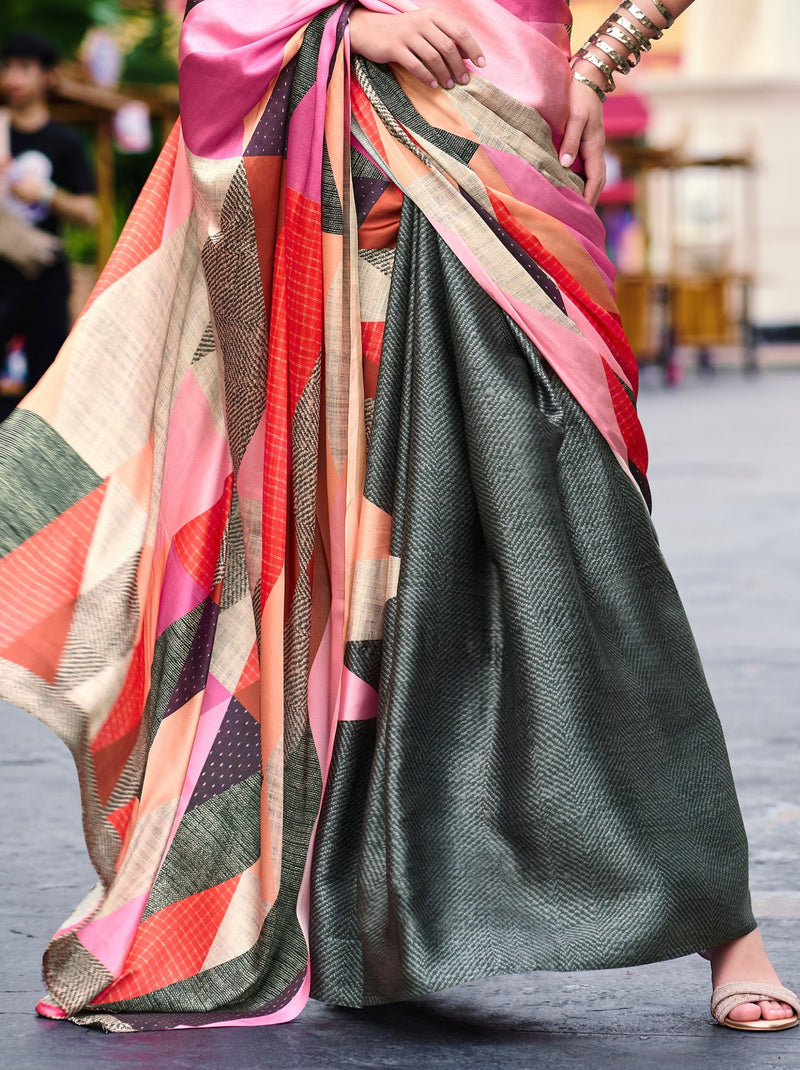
(45, 180)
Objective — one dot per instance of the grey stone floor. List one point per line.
(727, 493)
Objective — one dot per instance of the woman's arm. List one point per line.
(77, 208)
(615, 49)
(622, 37)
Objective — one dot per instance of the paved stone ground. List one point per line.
(727, 495)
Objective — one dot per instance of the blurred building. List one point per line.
(725, 82)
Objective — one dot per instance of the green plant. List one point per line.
(64, 21)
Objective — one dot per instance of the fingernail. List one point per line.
(465, 79)
(566, 159)
(449, 83)
(481, 61)
(434, 85)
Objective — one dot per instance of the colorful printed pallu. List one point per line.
(325, 550)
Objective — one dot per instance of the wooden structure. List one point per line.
(679, 303)
(82, 103)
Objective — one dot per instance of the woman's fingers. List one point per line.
(585, 134)
(593, 150)
(571, 143)
(447, 59)
(428, 43)
(594, 158)
(414, 65)
(434, 60)
(461, 37)
(595, 177)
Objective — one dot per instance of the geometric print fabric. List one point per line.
(233, 550)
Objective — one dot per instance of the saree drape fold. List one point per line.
(325, 549)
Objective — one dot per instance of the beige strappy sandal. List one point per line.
(726, 997)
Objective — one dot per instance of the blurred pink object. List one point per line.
(132, 127)
(102, 57)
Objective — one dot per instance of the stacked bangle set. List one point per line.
(634, 36)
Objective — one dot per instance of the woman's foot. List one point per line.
(746, 959)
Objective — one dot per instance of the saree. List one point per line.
(326, 551)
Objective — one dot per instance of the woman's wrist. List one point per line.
(618, 44)
(585, 69)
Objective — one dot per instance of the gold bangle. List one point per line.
(640, 16)
(622, 63)
(665, 14)
(604, 68)
(628, 26)
(592, 85)
(635, 53)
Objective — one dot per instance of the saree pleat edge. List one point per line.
(206, 570)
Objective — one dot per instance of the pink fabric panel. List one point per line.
(588, 330)
(359, 700)
(109, 938)
(47, 1010)
(230, 52)
(304, 165)
(556, 12)
(562, 203)
(179, 595)
(197, 462)
(529, 60)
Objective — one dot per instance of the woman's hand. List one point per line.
(586, 135)
(30, 189)
(427, 43)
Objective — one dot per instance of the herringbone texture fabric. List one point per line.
(545, 785)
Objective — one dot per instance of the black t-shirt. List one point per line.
(54, 153)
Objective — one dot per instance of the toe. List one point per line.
(746, 1012)
(771, 1010)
